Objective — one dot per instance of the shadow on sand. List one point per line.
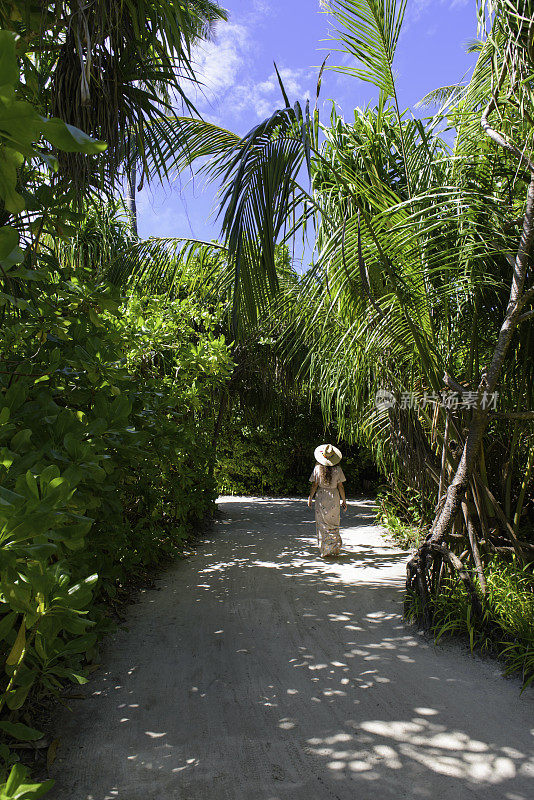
(259, 670)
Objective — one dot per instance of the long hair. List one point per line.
(326, 473)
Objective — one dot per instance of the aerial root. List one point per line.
(423, 577)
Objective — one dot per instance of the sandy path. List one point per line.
(257, 671)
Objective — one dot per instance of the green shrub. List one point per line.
(106, 426)
(508, 626)
(274, 456)
(105, 449)
(404, 513)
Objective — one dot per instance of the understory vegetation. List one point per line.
(508, 629)
(413, 324)
(106, 433)
(275, 455)
(141, 377)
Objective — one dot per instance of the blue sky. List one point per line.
(241, 89)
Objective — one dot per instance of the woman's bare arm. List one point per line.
(341, 491)
(312, 492)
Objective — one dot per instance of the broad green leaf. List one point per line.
(9, 68)
(80, 645)
(9, 239)
(21, 439)
(15, 396)
(10, 160)
(32, 484)
(16, 776)
(20, 126)
(32, 791)
(9, 498)
(41, 551)
(20, 731)
(68, 138)
(28, 525)
(90, 581)
(19, 646)
(74, 544)
(7, 93)
(16, 698)
(18, 596)
(17, 257)
(48, 474)
(79, 527)
(63, 672)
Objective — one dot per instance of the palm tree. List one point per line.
(115, 70)
(415, 246)
(414, 252)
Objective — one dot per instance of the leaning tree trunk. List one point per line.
(419, 565)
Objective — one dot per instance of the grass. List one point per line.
(507, 630)
(402, 515)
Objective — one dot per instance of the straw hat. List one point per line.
(327, 454)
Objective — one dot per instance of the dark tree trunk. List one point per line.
(131, 204)
(223, 407)
(419, 565)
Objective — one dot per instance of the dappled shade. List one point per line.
(257, 669)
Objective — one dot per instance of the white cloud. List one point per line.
(230, 85)
(219, 62)
(416, 8)
(265, 96)
(261, 7)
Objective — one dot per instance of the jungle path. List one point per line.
(257, 671)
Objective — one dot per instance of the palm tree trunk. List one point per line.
(489, 380)
(131, 204)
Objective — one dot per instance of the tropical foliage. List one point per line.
(272, 454)
(421, 289)
(106, 420)
(127, 365)
(113, 70)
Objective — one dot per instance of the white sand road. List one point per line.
(257, 671)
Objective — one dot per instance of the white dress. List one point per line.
(327, 510)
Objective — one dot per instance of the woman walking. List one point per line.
(327, 481)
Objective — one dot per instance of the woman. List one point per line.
(327, 480)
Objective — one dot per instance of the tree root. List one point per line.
(425, 564)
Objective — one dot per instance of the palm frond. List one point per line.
(115, 70)
(163, 265)
(369, 31)
(262, 201)
(443, 96)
